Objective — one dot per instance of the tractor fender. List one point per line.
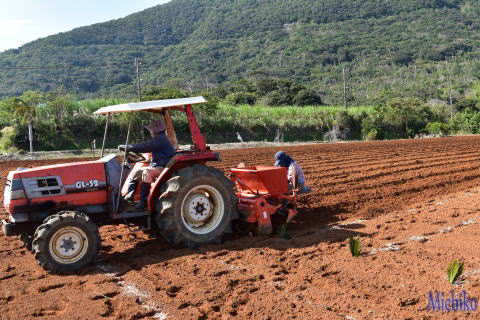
(179, 161)
(156, 186)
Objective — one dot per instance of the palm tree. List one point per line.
(25, 113)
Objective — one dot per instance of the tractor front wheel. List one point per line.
(196, 207)
(66, 242)
(26, 238)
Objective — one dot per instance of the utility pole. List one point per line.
(450, 85)
(280, 61)
(139, 89)
(30, 135)
(344, 88)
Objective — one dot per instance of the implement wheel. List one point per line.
(197, 207)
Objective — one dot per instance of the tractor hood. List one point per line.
(64, 178)
(74, 184)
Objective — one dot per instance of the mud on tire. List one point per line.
(66, 242)
(196, 207)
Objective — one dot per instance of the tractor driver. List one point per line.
(295, 176)
(162, 151)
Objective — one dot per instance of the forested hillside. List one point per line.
(362, 50)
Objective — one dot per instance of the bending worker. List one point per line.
(162, 151)
(295, 176)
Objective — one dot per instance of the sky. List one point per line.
(22, 21)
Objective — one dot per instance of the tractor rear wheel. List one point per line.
(66, 242)
(197, 207)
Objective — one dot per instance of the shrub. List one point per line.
(265, 86)
(307, 97)
(465, 103)
(211, 106)
(474, 123)
(7, 139)
(218, 92)
(349, 124)
(437, 128)
(403, 58)
(277, 98)
(467, 121)
(158, 93)
(242, 85)
(373, 126)
(371, 135)
(399, 118)
(237, 98)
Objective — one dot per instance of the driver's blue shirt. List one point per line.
(160, 147)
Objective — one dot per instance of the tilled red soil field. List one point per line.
(413, 203)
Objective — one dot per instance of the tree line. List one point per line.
(256, 109)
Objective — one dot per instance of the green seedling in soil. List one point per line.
(454, 271)
(355, 246)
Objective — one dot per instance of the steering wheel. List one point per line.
(134, 157)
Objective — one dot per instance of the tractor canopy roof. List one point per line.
(151, 106)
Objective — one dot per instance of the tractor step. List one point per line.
(131, 214)
(141, 218)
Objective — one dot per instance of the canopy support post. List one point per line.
(124, 164)
(105, 135)
(197, 137)
(170, 128)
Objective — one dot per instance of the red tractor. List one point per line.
(57, 209)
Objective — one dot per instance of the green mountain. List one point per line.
(382, 44)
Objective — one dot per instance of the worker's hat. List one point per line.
(156, 127)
